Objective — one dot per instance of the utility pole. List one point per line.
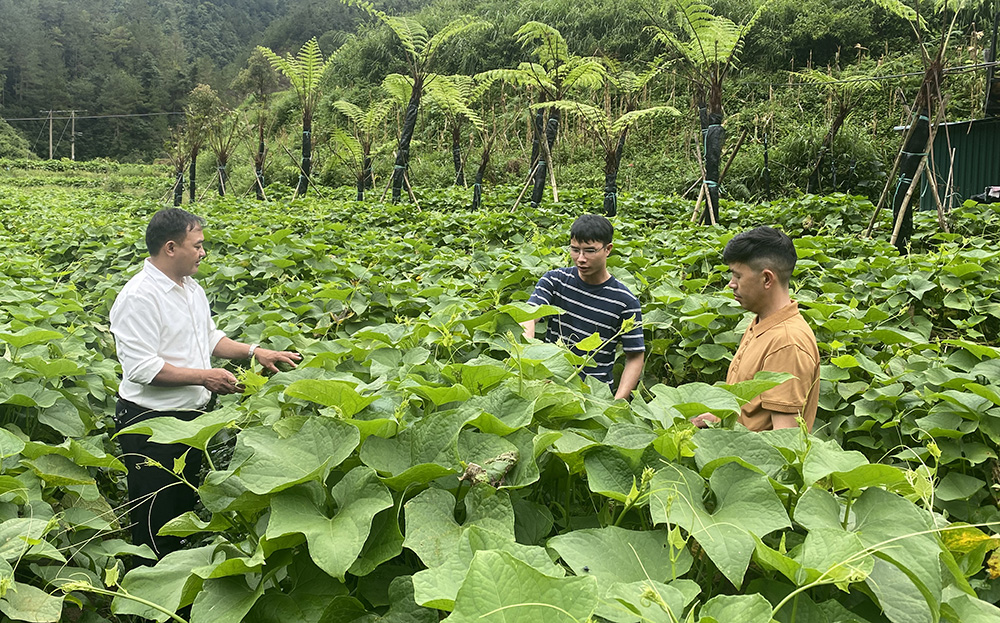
(72, 137)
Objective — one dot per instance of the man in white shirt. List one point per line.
(165, 338)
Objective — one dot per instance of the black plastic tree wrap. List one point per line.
(909, 161)
(477, 186)
(542, 170)
(403, 150)
(714, 135)
(303, 185)
(612, 165)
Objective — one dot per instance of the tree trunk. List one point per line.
(223, 179)
(258, 162)
(192, 170)
(179, 187)
(612, 164)
(306, 168)
(403, 148)
(477, 186)
(456, 153)
(537, 124)
(551, 130)
(714, 135)
(825, 147)
(913, 153)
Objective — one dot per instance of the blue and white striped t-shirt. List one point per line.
(588, 308)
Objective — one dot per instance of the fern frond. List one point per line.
(630, 119)
(583, 74)
(411, 34)
(597, 119)
(552, 49)
(399, 88)
(349, 110)
(346, 146)
(456, 27)
(900, 9)
(376, 115)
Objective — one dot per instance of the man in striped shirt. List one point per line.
(593, 301)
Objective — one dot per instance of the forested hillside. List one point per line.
(128, 68)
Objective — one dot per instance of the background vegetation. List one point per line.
(146, 57)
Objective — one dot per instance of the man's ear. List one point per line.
(610, 246)
(769, 277)
(169, 246)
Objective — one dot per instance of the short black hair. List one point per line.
(592, 228)
(170, 224)
(763, 247)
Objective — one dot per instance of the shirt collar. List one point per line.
(160, 278)
(783, 314)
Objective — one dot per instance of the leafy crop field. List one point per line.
(425, 463)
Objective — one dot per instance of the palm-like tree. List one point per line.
(709, 46)
(222, 141)
(354, 146)
(556, 75)
(845, 91)
(258, 80)
(421, 51)
(305, 72)
(202, 112)
(610, 124)
(454, 96)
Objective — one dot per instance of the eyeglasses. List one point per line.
(588, 252)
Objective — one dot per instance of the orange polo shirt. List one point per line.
(782, 342)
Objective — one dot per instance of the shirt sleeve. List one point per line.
(792, 395)
(633, 341)
(544, 290)
(136, 325)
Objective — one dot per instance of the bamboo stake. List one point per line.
(697, 204)
(524, 188)
(947, 192)
(708, 195)
(888, 183)
(916, 177)
(552, 169)
(409, 189)
(732, 156)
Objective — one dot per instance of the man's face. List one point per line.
(747, 285)
(590, 258)
(187, 253)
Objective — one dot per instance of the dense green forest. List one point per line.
(129, 69)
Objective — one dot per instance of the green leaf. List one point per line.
(522, 312)
(715, 446)
(742, 608)
(28, 336)
(402, 606)
(762, 381)
(10, 444)
(267, 463)
(334, 542)
(330, 393)
(746, 507)
(827, 457)
(529, 596)
(58, 470)
(225, 600)
(648, 601)
(616, 555)
(591, 342)
(423, 452)
(24, 602)
(170, 584)
(957, 486)
(195, 433)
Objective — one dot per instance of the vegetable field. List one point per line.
(425, 463)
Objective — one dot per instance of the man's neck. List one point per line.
(774, 305)
(165, 269)
(595, 280)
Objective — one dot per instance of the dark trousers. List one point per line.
(156, 494)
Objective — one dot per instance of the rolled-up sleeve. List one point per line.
(136, 325)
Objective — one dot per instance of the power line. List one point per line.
(145, 114)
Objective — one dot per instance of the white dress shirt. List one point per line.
(155, 321)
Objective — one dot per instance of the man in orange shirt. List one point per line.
(778, 340)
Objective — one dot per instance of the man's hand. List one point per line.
(220, 381)
(703, 420)
(270, 358)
